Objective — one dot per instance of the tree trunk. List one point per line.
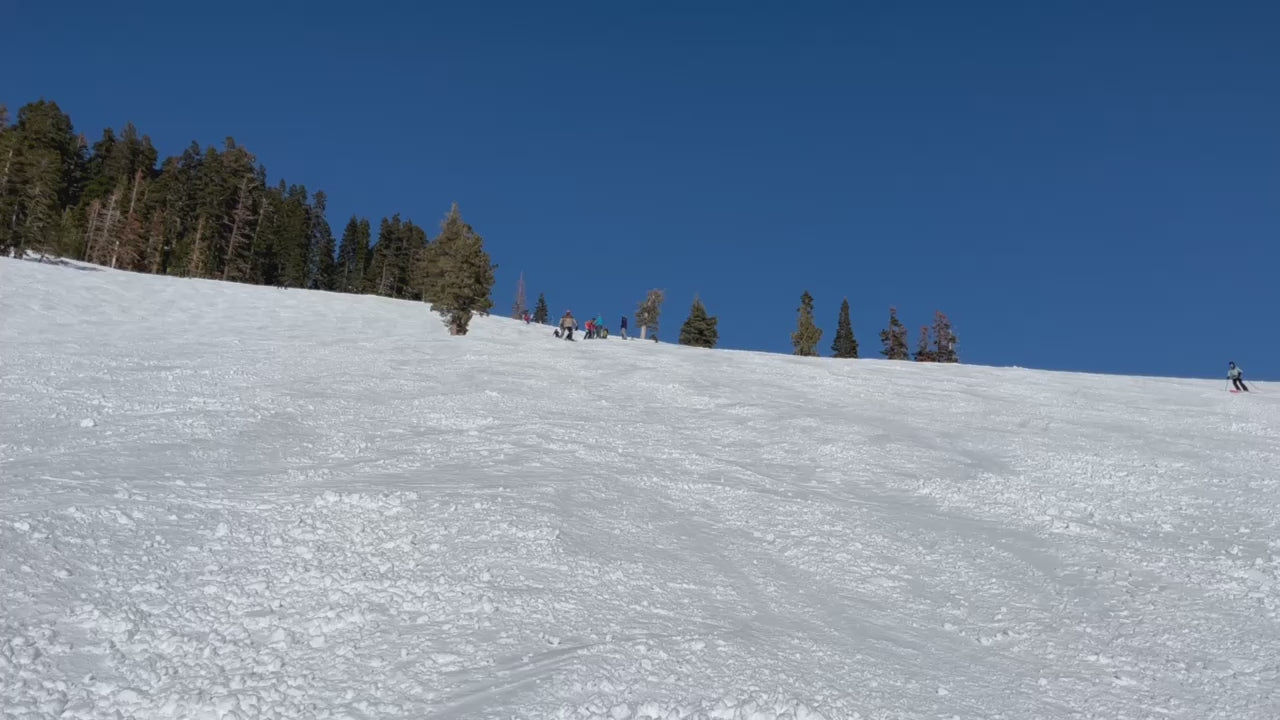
(128, 223)
(155, 242)
(194, 265)
(238, 217)
(108, 221)
(382, 284)
(95, 214)
(4, 175)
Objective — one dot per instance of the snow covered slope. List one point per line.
(223, 501)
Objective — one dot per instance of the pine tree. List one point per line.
(420, 247)
(944, 339)
(42, 174)
(128, 250)
(123, 167)
(807, 335)
(8, 202)
(292, 236)
(519, 307)
(236, 265)
(39, 203)
(322, 265)
(540, 312)
(845, 344)
(894, 338)
(460, 279)
(923, 353)
(352, 255)
(154, 254)
(648, 313)
(391, 260)
(699, 330)
(207, 212)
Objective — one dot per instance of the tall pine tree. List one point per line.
(807, 335)
(649, 312)
(944, 339)
(519, 307)
(460, 278)
(845, 344)
(322, 270)
(894, 338)
(391, 260)
(540, 312)
(699, 330)
(8, 200)
(923, 353)
(239, 247)
(42, 173)
(353, 253)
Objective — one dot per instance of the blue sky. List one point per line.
(1079, 185)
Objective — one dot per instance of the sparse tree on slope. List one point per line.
(894, 338)
(648, 313)
(699, 330)
(519, 307)
(923, 353)
(944, 339)
(807, 335)
(845, 345)
(460, 280)
(540, 312)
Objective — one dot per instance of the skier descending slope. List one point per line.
(1237, 377)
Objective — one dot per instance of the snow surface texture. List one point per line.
(224, 501)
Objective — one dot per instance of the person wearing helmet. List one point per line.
(1237, 377)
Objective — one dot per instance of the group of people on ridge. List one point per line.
(595, 327)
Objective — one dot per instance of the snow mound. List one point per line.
(224, 501)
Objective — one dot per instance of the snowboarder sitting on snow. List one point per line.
(1236, 377)
(567, 324)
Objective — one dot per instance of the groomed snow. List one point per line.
(224, 501)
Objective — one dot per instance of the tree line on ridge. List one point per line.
(210, 212)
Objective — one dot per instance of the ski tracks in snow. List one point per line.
(232, 502)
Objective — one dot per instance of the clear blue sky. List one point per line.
(1080, 185)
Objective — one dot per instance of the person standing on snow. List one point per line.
(1237, 377)
(567, 324)
(623, 327)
